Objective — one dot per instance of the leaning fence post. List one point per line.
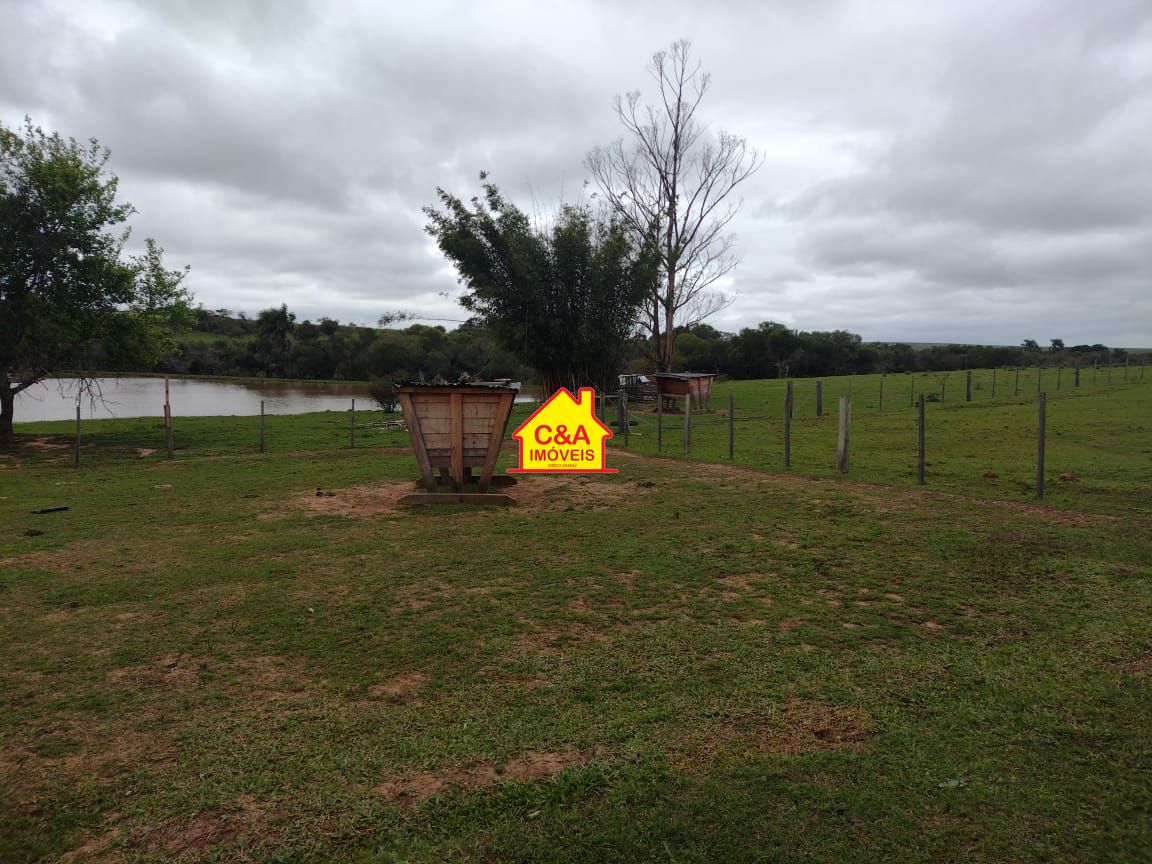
(76, 462)
(788, 425)
(920, 440)
(843, 437)
(731, 428)
(1040, 449)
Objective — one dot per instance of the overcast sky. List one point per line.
(961, 171)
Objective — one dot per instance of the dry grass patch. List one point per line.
(529, 767)
(194, 836)
(796, 727)
(400, 688)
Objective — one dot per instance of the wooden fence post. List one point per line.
(1125, 368)
(1039, 377)
(1059, 375)
(659, 423)
(968, 386)
(1040, 449)
(76, 461)
(352, 428)
(881, 394)
(844, 435)
(261, 425)
(943, 384)
(688, 424)
(788, 425)
(168, 443)
(912, 390)
(1109, 379)
(1076, 376)
(820, 397)
(993, 382)
(1016, 392)
(622, 414)
(731, 429)
(920, 440)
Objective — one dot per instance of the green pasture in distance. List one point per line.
(1098, 438)
(203, 659)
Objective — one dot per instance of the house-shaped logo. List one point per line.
(563, 436)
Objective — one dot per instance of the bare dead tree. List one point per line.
(672, 180)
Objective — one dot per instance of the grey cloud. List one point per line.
(924, 159)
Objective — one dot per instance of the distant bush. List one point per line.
(380, 389)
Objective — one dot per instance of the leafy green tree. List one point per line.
(66, 289)
(274, 328)
(564, 300)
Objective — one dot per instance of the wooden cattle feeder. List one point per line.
(696, 386)
(455, 429)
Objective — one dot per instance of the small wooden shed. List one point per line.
(456, 429)
(696, 386)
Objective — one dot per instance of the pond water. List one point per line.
(55, 398)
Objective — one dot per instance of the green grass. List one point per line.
(203, 660)
(1098, 437)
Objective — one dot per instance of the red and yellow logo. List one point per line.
(563, 436)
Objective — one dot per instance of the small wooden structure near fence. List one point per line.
(696, 386)
(456, 429)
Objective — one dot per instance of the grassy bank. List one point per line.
(231, 656)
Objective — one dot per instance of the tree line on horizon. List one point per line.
(275, 344)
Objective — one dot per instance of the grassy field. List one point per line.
(237, 657)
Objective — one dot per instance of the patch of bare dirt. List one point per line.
(355, 502)
(197, 834)
(797, 726)
(43, 442)
(533, 767)
(1140, 666)
(530, 767)
(94, 846)
(171, 670)
(401, 688)
(542, 492)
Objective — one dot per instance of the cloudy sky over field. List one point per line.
(973, 170)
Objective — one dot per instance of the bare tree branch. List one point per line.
(676, 182)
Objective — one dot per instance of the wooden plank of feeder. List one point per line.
(495, 442)
(457, 402)
(413, 421)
